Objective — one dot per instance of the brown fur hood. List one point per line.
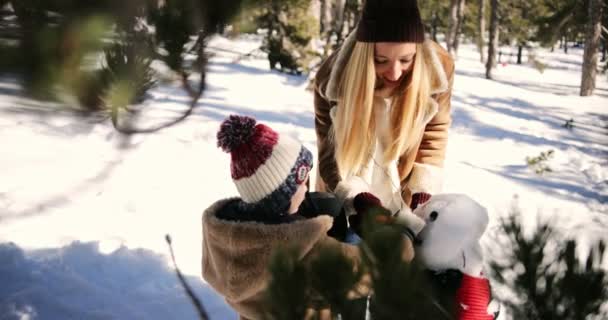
(236, 254)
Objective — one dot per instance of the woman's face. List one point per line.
(392, 61)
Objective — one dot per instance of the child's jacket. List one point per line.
(236, 254)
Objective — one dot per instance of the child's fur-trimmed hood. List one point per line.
(236, 254)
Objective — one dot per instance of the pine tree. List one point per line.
(433, 13)
(452, 31)
(341, 17)
(494, 31)
(543, 277)
(481, 24)
(560, 20)
(289, 27)
(56, 37)
(592, 44)
(518, 25)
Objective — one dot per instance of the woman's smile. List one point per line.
(390, 83)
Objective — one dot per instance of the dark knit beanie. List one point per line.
(390, 21)
(266, 167)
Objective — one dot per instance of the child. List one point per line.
(239, 234)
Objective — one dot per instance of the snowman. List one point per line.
(449, 247)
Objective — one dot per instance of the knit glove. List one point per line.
(365, 201)
(362, 204)
(419, 199)
(366, 204)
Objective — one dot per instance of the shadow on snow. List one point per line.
(79, 282)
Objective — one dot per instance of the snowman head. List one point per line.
(450, 239)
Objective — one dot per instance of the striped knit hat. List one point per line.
(266, 168)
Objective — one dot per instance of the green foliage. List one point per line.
(290, 28)
(401, 290)
(331, 280)
(434, 15)
(520, 21)
(57, 44)
(89, 89)
(175, 23)
(333, 276)
(517, 20)
(119, 95)
(245, 22)
(539, 163)
(560, 18)
(127, 61)
(288, 290)
(216, 14)
(470, 28)
(296, 286)
(545, 278)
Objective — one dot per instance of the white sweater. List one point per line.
(382, 180)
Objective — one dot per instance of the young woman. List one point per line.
(382, 109)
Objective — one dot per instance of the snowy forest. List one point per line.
(109, 113)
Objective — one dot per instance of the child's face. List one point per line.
(298, 197)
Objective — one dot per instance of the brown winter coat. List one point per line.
(236, 254)
(419, 171)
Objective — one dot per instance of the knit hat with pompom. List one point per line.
(266, 168)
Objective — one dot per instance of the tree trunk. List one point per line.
(323, 17)
(326, 25)
(452, 25)
(482, 29)
(434, 24)
(520, 48)
(592, 44)
(565, 41)
(339, 12)
(604, 49)
(354, 6)
(493, 38)
(459, 24)
(314, 9)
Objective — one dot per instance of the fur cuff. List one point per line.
(426, 178)
(347, 189)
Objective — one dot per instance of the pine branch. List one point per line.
(546, 277)
(202, 314)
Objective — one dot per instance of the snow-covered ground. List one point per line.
(84, 210)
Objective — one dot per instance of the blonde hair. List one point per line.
(355, 129)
